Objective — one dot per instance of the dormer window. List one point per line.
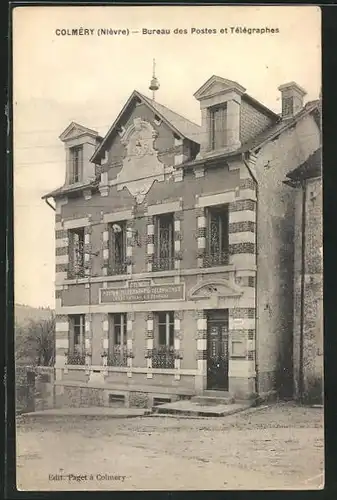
(76, 163)
(218, 131)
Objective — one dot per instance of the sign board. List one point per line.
(142, 293)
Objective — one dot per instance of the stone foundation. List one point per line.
(82, 397)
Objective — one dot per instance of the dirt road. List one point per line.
(281, 446)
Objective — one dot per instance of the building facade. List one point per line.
(174, 249)
(308, 279)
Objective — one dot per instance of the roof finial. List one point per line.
(154, 85)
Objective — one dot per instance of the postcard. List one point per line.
(168, 247)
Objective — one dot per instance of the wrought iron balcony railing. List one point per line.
(163, 263)
(216, 259)
(75, 358)
(117, 356)
(163, 357)
(117, 268)
(76, 273)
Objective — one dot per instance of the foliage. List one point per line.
(35, 342)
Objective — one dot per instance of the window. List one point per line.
(218, 127)
(76, 355)
(117, 252)
(217, 237)
(164, 243)
(76, 253)
(163, 354)
(76, 163)
(117, 355)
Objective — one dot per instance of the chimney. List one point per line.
(292, 99)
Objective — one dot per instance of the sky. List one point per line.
(88, 78)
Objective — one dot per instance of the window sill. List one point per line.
(153, 274)
(123, 369)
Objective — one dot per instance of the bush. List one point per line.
(35, 342)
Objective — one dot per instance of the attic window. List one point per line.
(157, 120)
(217, 127)
(76, 163)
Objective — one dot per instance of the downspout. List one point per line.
(256, 249)
(49, 204)
(54, 370)
(301, 375)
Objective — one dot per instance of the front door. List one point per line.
(217, 350)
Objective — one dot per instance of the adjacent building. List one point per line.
(175, 249)
(308, 279)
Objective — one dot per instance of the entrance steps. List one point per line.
(214, 398)
(209, 404)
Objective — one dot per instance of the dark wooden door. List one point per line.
(217, 354)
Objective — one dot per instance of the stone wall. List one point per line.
(276, 247)
(313, 293)
(79, 397)
(34, 388)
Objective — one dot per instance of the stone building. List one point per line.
(174, 249)
(308, 279)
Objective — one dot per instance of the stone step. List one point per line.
(192, 409)
(211, 400)
(216, 394)
(85, 412)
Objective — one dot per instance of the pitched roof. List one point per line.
(191, 131)
(218, 79)
(185, 127)
(275, 130)
(310, 168)
(271, 133)
(72, 188)
(83, 130)
(220, 84)
(176, 122)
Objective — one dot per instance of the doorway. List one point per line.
(217, 350)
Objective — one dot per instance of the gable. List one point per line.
(179, 125)
(216, 85)
(75, 130)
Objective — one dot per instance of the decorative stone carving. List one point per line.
(141, 166)
(215, 288)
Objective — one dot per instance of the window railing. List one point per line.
(163, 264)
(216, 259)
(117, 268)
(117, 356)
(163, 357)
(76, 273)
(75, 358)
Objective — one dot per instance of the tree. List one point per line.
(35, 342)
